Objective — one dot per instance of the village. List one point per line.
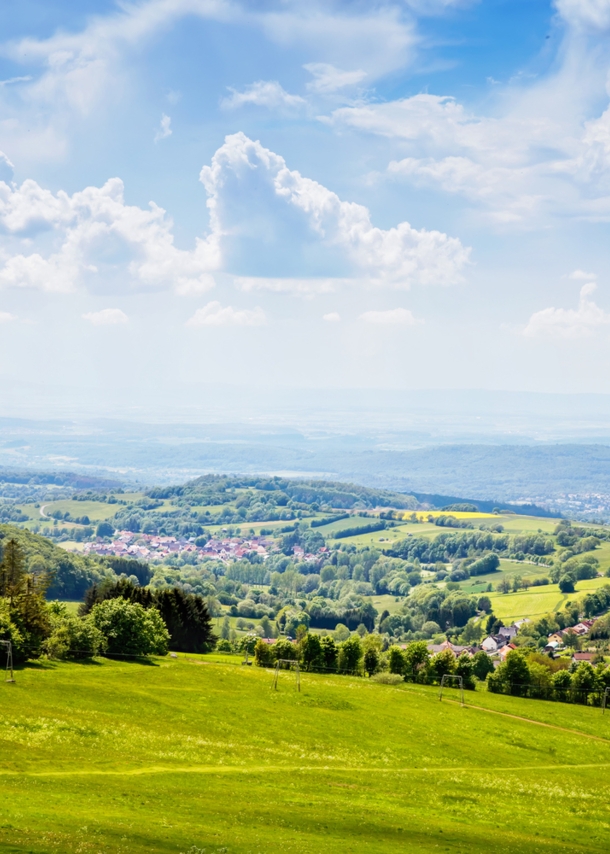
(152, 547)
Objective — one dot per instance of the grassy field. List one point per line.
(192, 756)
(538, 600)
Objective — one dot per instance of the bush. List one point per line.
(130, 629)
(71, 636)
(224, 645)
(263, 654)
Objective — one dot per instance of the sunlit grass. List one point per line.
(117, 757)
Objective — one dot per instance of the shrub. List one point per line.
(73, 637)
(263, 654)
(130, 629)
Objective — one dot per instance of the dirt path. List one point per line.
(530, 721)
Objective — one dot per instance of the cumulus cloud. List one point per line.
(564, 323)
(328, 79)
(95, 237)
(307, 211)
(106, 317)
(213, 314)
(391, 317)
(165, 128)
(263, 93)
(5, 316)
(332, 317)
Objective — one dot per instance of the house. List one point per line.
(490, 644)
(578, 657)
(557, 637)
(508, 632)
(552, 646)
(505, 650)
(435, 648)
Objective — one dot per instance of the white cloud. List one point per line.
(5, 317)
(392, 317)
(263, 93)
(332, 317)
(165, 128)
(106, 317)
(569, 323)
(6, 168)
(594, 14)
(581, 275)
(96, 238)
(401, 256)
(328, 79)
(213, 314)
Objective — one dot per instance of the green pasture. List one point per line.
(508, 569)
(97, 511)
(512, 524)
(191, 755)
(538, 601)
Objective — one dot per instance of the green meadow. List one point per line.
(199, 754)
(537, 601)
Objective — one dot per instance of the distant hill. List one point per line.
(210, 489)
(57, 478)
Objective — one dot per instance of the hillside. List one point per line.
(193, 756)
(71, 574)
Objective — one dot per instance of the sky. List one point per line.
(198, 195)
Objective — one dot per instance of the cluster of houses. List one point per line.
(153, 547)
(500, 644)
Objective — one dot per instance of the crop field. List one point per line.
(538, 601)
(193, 755)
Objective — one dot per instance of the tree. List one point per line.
(482, 665)
(396, 659)
(561, 682)
(225, 629)
(105, 529)
(503, 586)
(464, 667)
(371, 660)
(416, 657)
(12, 570)
(330, 653)
(72, 636)
(263, 654)
(443, 663)
(583, 680)
(266, 626)
(130, 629)
(286, 649)
(342, 633)
(187, 619)
(566, 583)
(311, 652)
(350, 653)
(512, 676)
(484, 604)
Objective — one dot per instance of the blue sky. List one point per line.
(410, 194)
